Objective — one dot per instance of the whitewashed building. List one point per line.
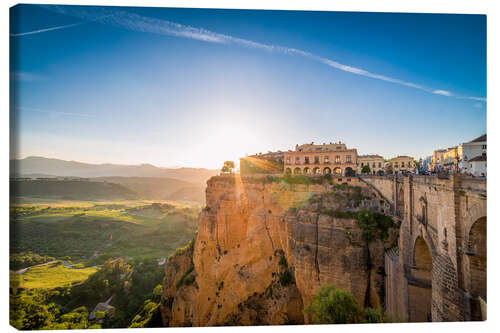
(470, 150)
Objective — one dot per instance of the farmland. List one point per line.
(94, 231)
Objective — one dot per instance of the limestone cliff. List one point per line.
(264, 246)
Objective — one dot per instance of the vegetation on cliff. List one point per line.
(335, 306)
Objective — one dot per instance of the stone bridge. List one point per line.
(438, 272)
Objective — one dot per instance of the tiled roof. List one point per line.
(369, 156)
(482, 138)
(481, 158)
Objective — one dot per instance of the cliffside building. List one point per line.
(402, 164)
(375, 162)
(311, 159)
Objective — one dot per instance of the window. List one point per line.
(373, 165)
(402, 164)
(396, 165)
(379, 164)
(362, 164)
(337, 159)
(339, 148)
(316, 159)
(306, 160)
(348, 158)
(327, 159)
(288, 160)
(484, 146)
(297, 160)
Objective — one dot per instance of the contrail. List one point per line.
(55, 28)
(135, 22)
(55, 112)
(47, 29)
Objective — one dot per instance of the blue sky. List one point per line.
(195, 87)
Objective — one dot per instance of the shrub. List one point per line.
(283, 262)
(336, 306)
(333, 306)
(184, 278)
(286, 277)
(371, 315)
(374, 225)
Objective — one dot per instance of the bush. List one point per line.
(374, 225)
(336, 306)
(371, 315)
(286, 277)
(333, 306)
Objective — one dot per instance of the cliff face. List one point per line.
(263, 249)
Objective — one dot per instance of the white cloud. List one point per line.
(442, 92)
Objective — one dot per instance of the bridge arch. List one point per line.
(420, 284)
(307, 171)
(476, 249)
(316, 171)
(337, 171)
(297, 171)
(327, 171)
(288, 171)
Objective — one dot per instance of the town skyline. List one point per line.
(416, 158)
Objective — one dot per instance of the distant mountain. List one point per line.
(57, 167)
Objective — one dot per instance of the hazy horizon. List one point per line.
(177, 87)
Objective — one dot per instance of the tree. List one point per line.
(228, 167)
(333, 306)
(366, 169)
(336, 306)
(380, 172)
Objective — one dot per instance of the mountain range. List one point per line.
(108, 181)
(36, 165)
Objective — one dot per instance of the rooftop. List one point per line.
(482, 138)
(370, 156)
(481, 158)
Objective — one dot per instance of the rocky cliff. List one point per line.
(266, 244)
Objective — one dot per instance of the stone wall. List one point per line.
(445, 218)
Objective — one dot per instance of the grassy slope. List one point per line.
(54, 275)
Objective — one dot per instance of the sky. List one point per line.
(195, 87)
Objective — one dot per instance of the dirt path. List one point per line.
(24, 270)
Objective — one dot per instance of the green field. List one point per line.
(53, 276)
(126, 237)
(91, 232)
